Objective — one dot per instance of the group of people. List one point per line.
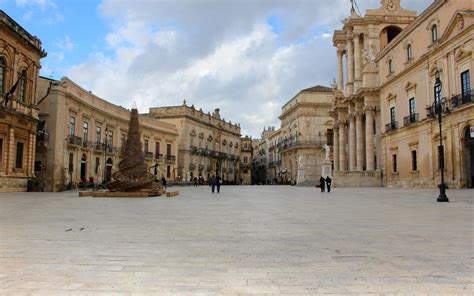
(198, 181)
(325, 182)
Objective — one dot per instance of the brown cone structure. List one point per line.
(133, 174)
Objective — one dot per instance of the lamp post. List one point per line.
(105, 154)
(438, 108)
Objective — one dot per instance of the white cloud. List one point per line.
(216, 54)
(65, 44)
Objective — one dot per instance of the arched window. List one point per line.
(434, 33)
(22, 87)
(2, 74)
(409, 52)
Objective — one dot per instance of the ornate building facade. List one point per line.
(207, 144)
(20, 55)
(246, 156)
(85, 135)
(392, 60)
(306, 127)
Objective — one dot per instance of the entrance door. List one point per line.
(108, 172)
(469, 158)
(83, 168)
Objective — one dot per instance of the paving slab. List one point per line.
(247, 240)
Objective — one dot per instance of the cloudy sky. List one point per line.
(247, 57)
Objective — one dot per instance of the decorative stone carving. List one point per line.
(390, 6)
(368, 57)
(459, 22)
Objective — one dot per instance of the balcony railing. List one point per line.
(317, 143)
(203, 151)
(391, 126)
(158, 156)
(193, 149)
(99, 146)
(245, 166)
(170, 158)
(412, 118)
(74, 140)
(86, 144)
(459, 100)
(149, 155)
(247, 149)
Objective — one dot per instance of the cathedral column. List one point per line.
(357, 61)
(342, 146)
(369, 138)
(352, 143)
(350, 62)
(360, 141)
(340, 68)
(336, 147)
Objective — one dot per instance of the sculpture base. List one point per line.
(121, 194)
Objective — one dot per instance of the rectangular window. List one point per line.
(157, 149)
(437, 93)
(98, 134)
(465, 83)
(411, 106)
(168, 171)
(434, 33)
(85, 131)
(168, 149)
(72, 126)
(21, 96)
(110, 138)
(392, 116)
(329, 136)
(19, 155)
(246, 159)
(145, 146)
(394, 163)
(414, 163)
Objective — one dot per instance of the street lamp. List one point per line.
(105, 154)
(438, 105)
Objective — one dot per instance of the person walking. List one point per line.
(321, 183)
(328, 183)
(195, 182)
(163, 182)
(218, 183)
(213, 183)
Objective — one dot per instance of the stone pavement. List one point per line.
(246, 240)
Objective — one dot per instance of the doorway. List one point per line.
(83, 168)
(108, 172)
(468, 152)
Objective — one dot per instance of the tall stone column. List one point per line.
(350, 63)
(352, 144)
(357, 61)
(340, 68)
(360, 141)
(369, 138)
(336, 147)
(342, 146)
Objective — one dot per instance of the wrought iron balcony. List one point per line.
(170, 158)
(245, 166)
(74, 140)
(412, 118)
(246, 149)
(149, 155)
(391, 126)
(459, 100)
(193, 149)
(158, 156)
(99, 146)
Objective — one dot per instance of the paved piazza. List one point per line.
(247, 240)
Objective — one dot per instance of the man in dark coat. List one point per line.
(213, 183)
(321, 183)
(328, 183)
(218, 183)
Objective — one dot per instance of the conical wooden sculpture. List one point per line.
(133, 174)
